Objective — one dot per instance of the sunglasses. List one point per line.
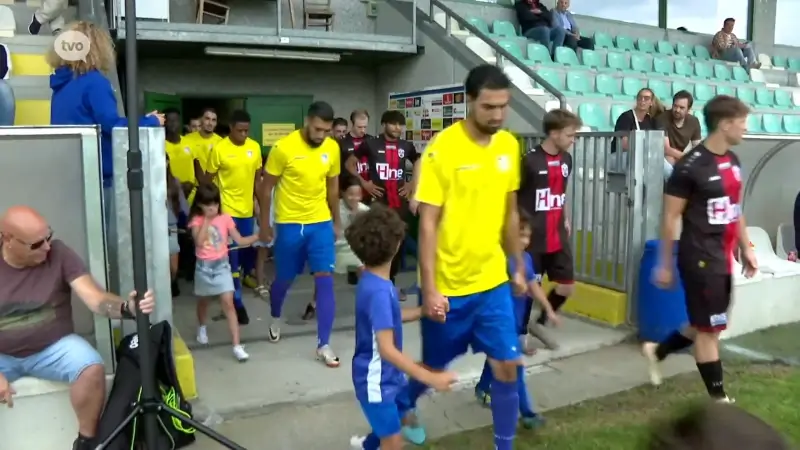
(38, 244)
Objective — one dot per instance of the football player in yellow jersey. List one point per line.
(202, 142)
(181, 160)
(235, 166)
(470, 174)
(303, 167)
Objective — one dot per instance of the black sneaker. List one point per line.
(352, 278)
(310, 313)
(176, 290)
(82, 443)
(241, 315)
(34, 28)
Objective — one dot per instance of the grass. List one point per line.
(621, 421)
(780, 341)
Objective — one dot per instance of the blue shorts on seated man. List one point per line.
(63, 361)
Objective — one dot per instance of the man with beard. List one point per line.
(467, 194)
(387, 156)
(303, 168)
(359, 120)
(543, 187)
(682, 128)
(339, 130)
(193, 126)
(203, 141)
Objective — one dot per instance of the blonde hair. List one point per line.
(101, 54)
(656, 108)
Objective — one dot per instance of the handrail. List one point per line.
(463, 23)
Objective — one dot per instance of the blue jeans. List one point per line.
(7, 104)
(744, 56)
(63, 361)
(549, 37)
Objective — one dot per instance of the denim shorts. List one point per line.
(212, 277)
(63, 361)
(174, 246)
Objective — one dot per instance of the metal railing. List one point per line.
(451, 15)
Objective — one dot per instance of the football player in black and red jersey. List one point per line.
(545, 170)
(387, 157)
(359, 121)
(704, 191)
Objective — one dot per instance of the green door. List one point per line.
(155, 101)
(276, 116)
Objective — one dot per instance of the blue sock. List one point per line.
(372, 442)
(326, 308)
(505, 410)
(525, 407)
(277, 295)
(485, 383)
(415, 391)
(233, 260)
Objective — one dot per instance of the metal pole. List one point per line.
(278, 15)
(414, 23)
(138, 249)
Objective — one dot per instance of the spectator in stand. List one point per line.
(7, 102)
(536, 22)
(51, 12)
(681, 128)
(564, 19)
(728, 47)
(640, 118)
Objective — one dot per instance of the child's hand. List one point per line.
(554, 318)
(442, 381)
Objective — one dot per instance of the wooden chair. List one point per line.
(318, 13)
(217, 12)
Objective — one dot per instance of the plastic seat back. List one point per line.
(631, 86)
(665, 48)
(684, 67)
(783, 98)
(703, 92)
(641, 63)
(754, 123)
(607, 84)
(703, 70)
(794, 64)
(764, 60)
(480, 48)
(748, 96)
(603, 40)
(618, 61)
(592, 59)
(724, 89)
(779, 61)
(660, 88)
(538, 53)
(552, 77)
(701, 51)
(567, 56)
(592, 115)
(625, 43)
(702, 119)
(722, 72)
(518, 77)
(678, 86)
(646, 45)
(579, 83)
(773, 123)
(791, 123)
(480, 24)
(765, 97)
(683, 49)
(740, 75)
(511, 47)
(616, 111)
(504, 28)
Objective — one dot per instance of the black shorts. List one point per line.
(708, 297)
(557, 265)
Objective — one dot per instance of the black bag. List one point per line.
(127, 389)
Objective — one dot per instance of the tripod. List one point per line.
(150, 405)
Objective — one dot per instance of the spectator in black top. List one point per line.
(339, 128)
(536, 22)
(640, 119)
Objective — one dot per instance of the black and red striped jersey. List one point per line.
(386, 165)
(347, 146)
(542, 194)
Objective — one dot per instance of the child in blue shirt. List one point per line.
(379, 365)
(522, 310)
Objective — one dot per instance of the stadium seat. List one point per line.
(703, 70)
(631, 86)
(479, 23)
(740, 75)
(724, 89)
(481, 49)
(754, 124)
(783, 99)
(701, 51)
(757, 76)
(784, 240)
(773, 123)
(684, 50)
(684, 67)
(617, 61)
(539, 54)
(660, 88)
(513, 48)
(455, 29)
(603, 40)
(748, 96)
(678, 86)
(794, 64)
(593, 115)
(662, 65)
(768, 260)
(645, 45)
(791, 124)
(641, 63)
(609, 85)
(592, 59)
(665, 48)
(567, 57)
(616, 111)
(625, 43)
(779, 62)
(579, 83)
(722, 72)
(521, 80)
(765, 97)
(504, 28)
(764, 60)
(703, 92)
(702, 119)
(552, 77)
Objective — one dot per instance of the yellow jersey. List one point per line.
(235, 167)
(181, 161)
(201, 147)
(471, 184)
(301, 193)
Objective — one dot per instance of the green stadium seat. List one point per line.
(665, 48)
(504, 28)
(703, 70)
(645, 45)
(539, 54)
(631, 86)
(794, 64)
(780, 61)
(678, 86)
(479, 24)
(724, 89)
(593, 116)
(660, 88)
(773, 123)
(618, 61)
(641, 63)
(578, 83)
(783, 99)
(701, 51)
(552, 77)
(765, 97)
(684, 50)
(748, 96)
(754, 123)
(616, 111)
(722, 72)
(703, 92)
(515, 50)
(791, 124)
(625, 43)
(593, 59)
(740, 75)
(684, 67)
(567, 57)
(609, 85)
(702, 119)
(663, 65)
(603, 40)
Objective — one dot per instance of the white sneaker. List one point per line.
(326, 355)
(275, 330)
(202, 335)
(357, 442)
(240, 354)
(649, 352)
(726, 399)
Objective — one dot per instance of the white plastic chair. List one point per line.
(757, 76)
(481, 49)
(765, 60)
(768, 260)
(555, 104)
(455, 29)
(522, 81)
(784, 240)
(796, 94)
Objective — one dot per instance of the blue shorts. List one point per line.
(385, 418)
(297, 244)
(245, 226)
(63, 361)
(484, 321)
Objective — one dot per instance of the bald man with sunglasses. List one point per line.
(37, 277)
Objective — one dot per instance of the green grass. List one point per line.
(780, 341)
(621, 421)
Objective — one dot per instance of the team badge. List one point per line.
(324, 158)
(187, 150)
(502, 163)
(401, 153)
(565, 170)
(249, 154)
(737, 173)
